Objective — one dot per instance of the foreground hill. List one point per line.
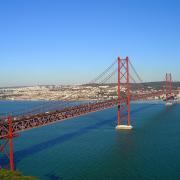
(10, 175)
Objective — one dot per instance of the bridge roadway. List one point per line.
(37, 120)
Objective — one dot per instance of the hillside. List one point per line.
(13, 175)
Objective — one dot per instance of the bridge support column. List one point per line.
(169, 96)
(8, 140)
(123, 107)
(119, 92)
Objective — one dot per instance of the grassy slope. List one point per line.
(10, 175)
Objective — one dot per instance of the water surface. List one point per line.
(89, 147)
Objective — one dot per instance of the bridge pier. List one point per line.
(169, 96)
(169, 103)
(8, 140)
(123, 127)
(123, 107)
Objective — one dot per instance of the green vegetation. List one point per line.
(13, 175)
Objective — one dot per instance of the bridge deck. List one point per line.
(37, 120)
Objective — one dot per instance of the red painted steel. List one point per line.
(9, 127)
(128, 91)
(123, 75)
(11, 158)
(38, 120)
(8, 138)
(28, 122)
(119, 91)
(168, 87)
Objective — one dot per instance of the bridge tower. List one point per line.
(123, 107)
(8, 141)
(169, 96)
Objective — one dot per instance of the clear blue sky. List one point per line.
(71, 41)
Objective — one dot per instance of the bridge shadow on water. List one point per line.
(20, 155)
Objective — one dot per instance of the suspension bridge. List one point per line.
(120, 74)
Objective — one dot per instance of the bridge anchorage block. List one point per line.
(123, 127)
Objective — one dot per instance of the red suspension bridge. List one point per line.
(121, 73)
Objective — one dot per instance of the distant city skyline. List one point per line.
(71, 42)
